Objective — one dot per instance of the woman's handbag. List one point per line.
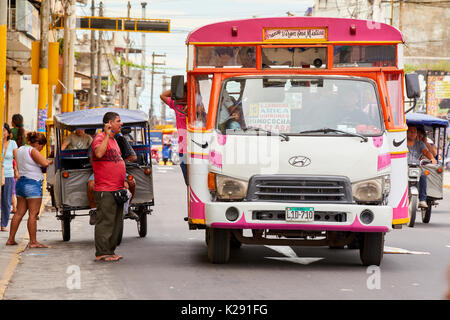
(3, 158)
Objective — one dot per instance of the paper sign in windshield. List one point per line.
(270, 116)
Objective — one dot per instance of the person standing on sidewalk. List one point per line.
(109, 176)
(8, 154)
(18, 132)
(29, 186)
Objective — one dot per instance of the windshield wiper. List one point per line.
(327, 130)
(285, 137)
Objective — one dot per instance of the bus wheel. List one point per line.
(372, 248)
(234, 242)
(218, 245)
(65, 225)
(426, 212)
(412, 211)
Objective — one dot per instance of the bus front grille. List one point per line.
(293, 188)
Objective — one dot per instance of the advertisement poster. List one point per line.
(438, 93)
(270, 116)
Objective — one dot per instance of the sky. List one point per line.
(185, 16)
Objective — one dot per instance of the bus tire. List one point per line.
(372, 248)
(234, 242)
(412, 209)
(218, 245)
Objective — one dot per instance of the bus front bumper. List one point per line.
(327, 217)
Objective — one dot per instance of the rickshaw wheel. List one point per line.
(218, 245)
(65, 225)
(412, 211)
(426, 212)
(372, 248)
(142, 223)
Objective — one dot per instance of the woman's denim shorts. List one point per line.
(29, 188)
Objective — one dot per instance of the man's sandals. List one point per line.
(109, 258)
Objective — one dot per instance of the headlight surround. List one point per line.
(414, 172)
(230, 188)
(371, 190)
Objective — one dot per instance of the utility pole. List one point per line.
(121, 82)
(99, 60)
(127, 51)
(142, 88)
(68, 55)
(43, 67)
(154, 55)
(93, 53)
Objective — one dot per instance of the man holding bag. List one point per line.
(109, 193)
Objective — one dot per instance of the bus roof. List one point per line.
(253, 31)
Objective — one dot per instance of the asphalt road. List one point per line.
(171, 262)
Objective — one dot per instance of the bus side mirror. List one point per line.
(412, 85)
(177, 87)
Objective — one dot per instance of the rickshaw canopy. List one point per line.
(93, 118)
(421, 119)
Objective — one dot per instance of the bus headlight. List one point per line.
(230, 188)
(372, 190)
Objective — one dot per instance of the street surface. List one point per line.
(171, 262)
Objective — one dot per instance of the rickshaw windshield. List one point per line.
(299, 105)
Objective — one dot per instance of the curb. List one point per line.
(15, 259)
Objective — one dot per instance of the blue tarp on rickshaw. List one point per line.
(421, 119)
(93, 118)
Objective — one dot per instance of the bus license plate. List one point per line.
(300, 214)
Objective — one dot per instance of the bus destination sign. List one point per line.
(295, 34)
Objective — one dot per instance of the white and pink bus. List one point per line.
(296, 134)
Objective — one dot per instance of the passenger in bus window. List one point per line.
(229, 115)
(224, 56)
(350, 111)
(247, 57)
(200, 112)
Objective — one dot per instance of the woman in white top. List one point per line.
(29, 186)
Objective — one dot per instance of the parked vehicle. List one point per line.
(67, 178)
(278, 158)
(434, 172)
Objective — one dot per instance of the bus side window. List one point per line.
(203, 85)
(394, 87)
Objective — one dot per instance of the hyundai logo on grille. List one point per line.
(299, 161)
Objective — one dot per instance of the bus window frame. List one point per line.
(392, 124)
(278, 45)
(203, 69)
(191, 96)
(365, 44)
(369, 76)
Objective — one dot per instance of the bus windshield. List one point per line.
(294, 105)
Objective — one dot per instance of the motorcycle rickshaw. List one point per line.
(434, 172)
(68, 176)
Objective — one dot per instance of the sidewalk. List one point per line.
(447, 179)
(10, 255)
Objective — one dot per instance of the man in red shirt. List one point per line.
(109, 176)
